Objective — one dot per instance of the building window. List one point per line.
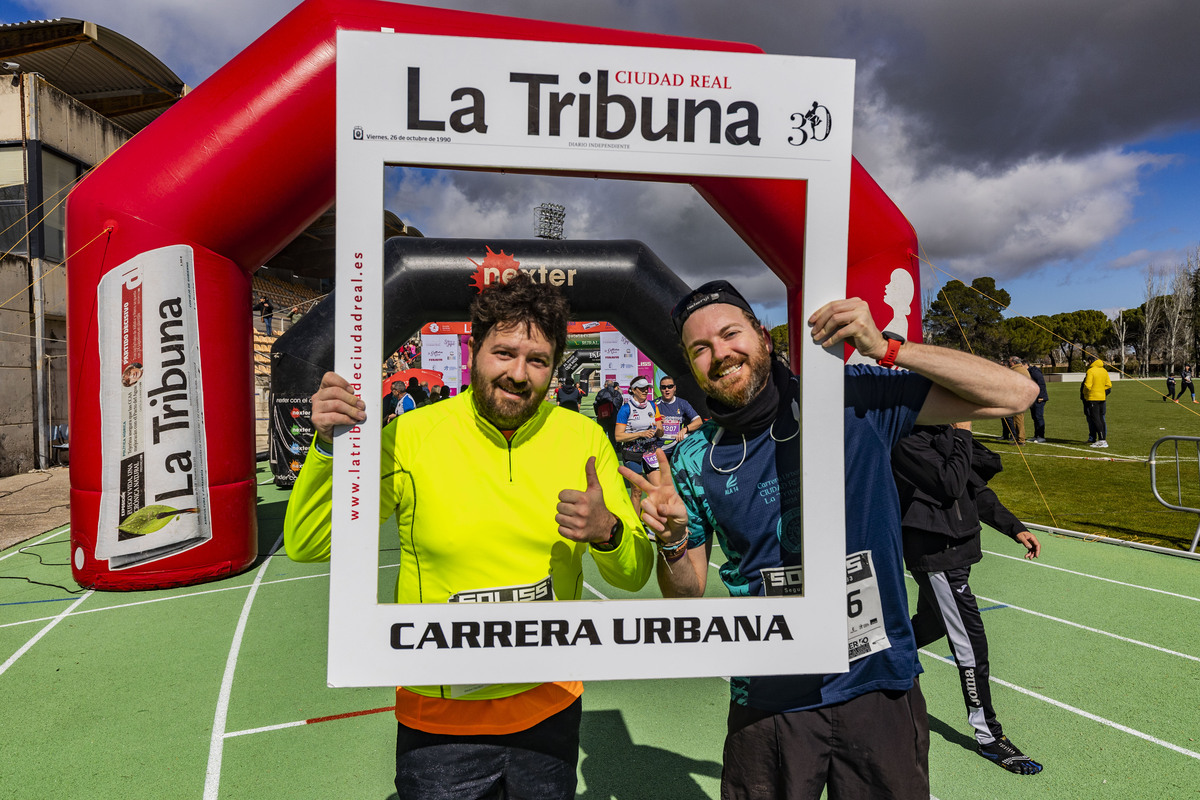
(12, 202)
(58, 174)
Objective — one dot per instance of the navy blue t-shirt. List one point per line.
(747, 493)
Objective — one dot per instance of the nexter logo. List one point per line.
(498, 268)
(731, 485)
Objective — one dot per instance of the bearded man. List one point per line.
(492, 468)
(862, 733)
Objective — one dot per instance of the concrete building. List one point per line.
(71, 92)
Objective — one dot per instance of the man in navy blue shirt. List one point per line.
(678, 417)
(862, 733)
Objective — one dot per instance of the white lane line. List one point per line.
(49, 627)
(267, 728)
(1085, 714)
(19, 548)
(212, 778)
(1092, 630)
(1083, 627)
(182, 596)
(1094, 577)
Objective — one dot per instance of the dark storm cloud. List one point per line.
(981, 85)
(1008, 132)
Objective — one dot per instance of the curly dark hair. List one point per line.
(520, 301)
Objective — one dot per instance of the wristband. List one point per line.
(674, 548)
(894, 340)
(614, 538)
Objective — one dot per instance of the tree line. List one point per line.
(1163, 333)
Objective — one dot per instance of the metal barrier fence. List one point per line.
(1178, 504)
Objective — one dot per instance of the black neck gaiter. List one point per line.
(757, 415)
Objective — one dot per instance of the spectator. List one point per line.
(863, 733)
(569, 394)
(1016, 424)
(1094, 391)
(941, 475)
(1038, 409)
(419, 395)
(294, 315)
(678, 417)
(397, 402)
(266, 311)
(435, 394)
(608, 402)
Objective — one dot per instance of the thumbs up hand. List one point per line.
(582, 515)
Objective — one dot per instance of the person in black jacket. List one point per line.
(569, 394)
(1038, 409)
(941, 475)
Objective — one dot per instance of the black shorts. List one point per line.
(873, 747)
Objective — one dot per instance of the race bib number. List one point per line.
(865, 630)
(542, 590)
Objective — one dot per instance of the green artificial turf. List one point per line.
(1066, 484)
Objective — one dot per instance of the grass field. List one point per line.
(1066, 484)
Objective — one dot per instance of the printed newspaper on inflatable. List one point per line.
(155, 487)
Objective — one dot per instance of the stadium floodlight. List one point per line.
(548, 221)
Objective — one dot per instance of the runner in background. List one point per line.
(678, 417)
(639, 432)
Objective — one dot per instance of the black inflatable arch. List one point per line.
(426, 280)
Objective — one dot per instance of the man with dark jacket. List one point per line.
(569, 394)
(1038, 409)
(941, 475)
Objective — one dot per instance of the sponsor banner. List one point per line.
(154, 475)
(588, 327)
(443, 328)
(291, 436)
(618, 358)
(441, 353)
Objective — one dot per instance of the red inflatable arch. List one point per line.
(241, 166)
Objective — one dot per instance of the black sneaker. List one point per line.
(1006, 754)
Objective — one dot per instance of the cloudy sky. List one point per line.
(1053, 146)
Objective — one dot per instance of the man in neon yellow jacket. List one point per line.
(490, 469)
(1094, 392)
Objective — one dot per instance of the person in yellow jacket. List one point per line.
(1094, 393)
(495, 493)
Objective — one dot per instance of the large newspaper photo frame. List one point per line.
(543, 107)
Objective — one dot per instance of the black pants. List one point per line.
(873, 747)
(534, 764)
(1096, 409)
(946, 607)
(1038, 412)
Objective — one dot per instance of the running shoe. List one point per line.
(1006, 754)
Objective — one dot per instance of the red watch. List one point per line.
(894, 340)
